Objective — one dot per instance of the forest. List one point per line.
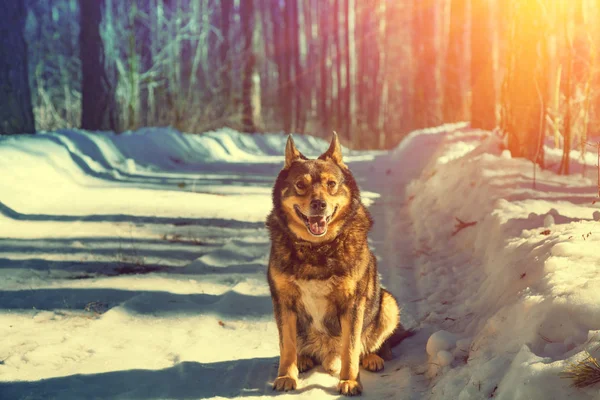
(371, 70)
(144, 143)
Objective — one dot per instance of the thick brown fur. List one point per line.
(327, 300)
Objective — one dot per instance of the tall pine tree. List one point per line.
(525, 81)
(425, 96)
(249, 62)
(98, 105)
(16, 113)
(483, 93)
(454, 88)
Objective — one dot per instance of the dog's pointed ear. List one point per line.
(334, 152)
(291, 153)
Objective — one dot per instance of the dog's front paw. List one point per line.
(372, 362)
(285, 383)
(350, 388)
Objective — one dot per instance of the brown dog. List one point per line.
(327, 300)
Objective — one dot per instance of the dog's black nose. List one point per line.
(318, 205)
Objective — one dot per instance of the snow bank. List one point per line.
(516, 282)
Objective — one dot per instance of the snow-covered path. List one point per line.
(143, 275)
(133, 267)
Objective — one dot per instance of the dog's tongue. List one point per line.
(317, 225)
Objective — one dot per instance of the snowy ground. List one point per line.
(133, 267)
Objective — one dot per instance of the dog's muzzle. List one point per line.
(315, 224)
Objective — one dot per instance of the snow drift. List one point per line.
(519, 287)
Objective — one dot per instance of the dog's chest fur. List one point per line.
(314, 298)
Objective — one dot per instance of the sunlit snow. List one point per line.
(133, 266)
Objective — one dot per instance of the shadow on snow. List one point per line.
(187, 380)
(211, 222)
(228, 304)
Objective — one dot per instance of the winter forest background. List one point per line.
(372, 70)
(139, 142)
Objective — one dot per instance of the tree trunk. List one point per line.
(483, 93)
(297, 77)
(524, 86)
(346, 116)
(396, 109)
(247, 21)
(454, 88)
(224, 49)
(324, 33)
(361, 38)
(268, 43)
(376, 58)
(278, 21)
(186, 48)
(309, 81)
(98, 109)
(577, 62)
(16, 113)
(567, 135)
(425, 96)
(336, 63)
(143, 44)
(286, 67)
(584, 54)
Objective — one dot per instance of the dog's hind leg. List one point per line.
(374, 340)
(372, 362)
(385, 351)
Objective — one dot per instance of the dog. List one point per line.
(328, 303)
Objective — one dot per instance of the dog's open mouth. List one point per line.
(316, 225)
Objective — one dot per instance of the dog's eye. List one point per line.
(331, 184)
(300, 185)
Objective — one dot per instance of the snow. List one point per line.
(549, 221)
(133, 266)
(445, 358)
(440, 341)
(521, 282)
